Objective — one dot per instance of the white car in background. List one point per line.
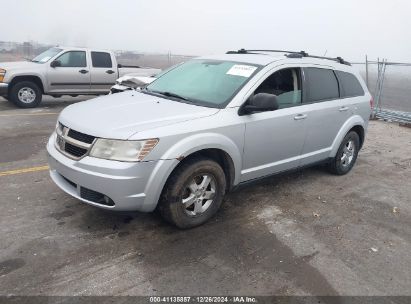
(131, 82)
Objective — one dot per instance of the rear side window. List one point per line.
(350, 86)
(101, 60)
(321, 84)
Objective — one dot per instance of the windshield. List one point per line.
(204, 82)
(45, 56)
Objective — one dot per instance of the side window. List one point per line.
(73, 59)
(350, 86)
(321, 84)
(286, 85)
(101, 60)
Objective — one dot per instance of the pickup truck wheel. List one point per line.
(25, 94)
(346, 155)
(193, 193)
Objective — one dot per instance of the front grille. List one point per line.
(72, 143)
(74, 150)
(95, 197)
(81, 136)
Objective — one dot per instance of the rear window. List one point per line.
(350, 86)
(101, 60)
(321, 84)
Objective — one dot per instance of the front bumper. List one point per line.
(4, 89)
(124, 186)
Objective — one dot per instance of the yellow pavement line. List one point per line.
(29, 114)
(25, 170)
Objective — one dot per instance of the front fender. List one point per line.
(19, 73)
(353, 121)
(197, 142)
(184, 148)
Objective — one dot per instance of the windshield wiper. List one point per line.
(169, 94)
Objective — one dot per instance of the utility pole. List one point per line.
(366, 72)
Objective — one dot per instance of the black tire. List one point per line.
(340, 165)
(32, 88)
(171, 205)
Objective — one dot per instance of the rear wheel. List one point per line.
(193, 193)
(25, 94)
(346, 155)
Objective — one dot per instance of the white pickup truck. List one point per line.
(63, 71)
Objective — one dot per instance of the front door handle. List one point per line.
(110, 72)
(300, 116)
(83, 71)
(343, 109)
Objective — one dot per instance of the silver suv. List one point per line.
(206, 126)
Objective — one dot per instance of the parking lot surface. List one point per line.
(302, 233)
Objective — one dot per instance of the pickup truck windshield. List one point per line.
(211, 83)
(46, 55)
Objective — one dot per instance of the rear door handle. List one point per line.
(83, 71)
(110, 72)
(343, 109)
(300, 116)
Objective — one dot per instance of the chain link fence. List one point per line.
(160, 61)
(390, 85)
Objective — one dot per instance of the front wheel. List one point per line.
(193, 193)
(346, 155)
(25, 94)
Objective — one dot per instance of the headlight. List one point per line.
(2, 73)
(122, 150)
(59, 128)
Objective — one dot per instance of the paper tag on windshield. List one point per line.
(241, 70)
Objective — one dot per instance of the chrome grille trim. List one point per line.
(62, 138)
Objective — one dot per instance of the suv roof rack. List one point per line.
(289, 54)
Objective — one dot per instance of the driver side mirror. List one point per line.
(55, 64)
(260, 102)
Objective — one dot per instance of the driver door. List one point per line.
(274, 139)
(72, 75)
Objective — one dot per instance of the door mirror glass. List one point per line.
(55, 63)
(261, 102)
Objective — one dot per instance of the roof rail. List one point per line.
(289, 54)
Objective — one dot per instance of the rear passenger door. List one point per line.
(103, 73)
(326, 112)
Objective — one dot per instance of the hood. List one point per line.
(119, 116)
(18, 65)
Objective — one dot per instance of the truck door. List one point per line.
(103, 73)
(69, 73)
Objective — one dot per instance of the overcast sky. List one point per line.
(348, 28)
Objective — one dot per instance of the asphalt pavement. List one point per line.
(303, 233)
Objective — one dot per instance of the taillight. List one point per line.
(372, 102)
